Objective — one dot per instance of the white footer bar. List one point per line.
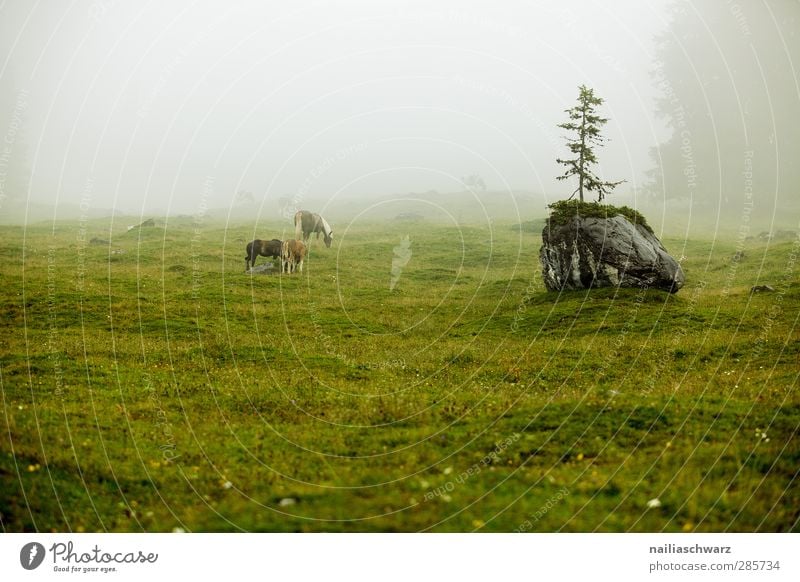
(401, 557)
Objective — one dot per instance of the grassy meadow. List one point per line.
(149, 384)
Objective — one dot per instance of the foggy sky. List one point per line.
(171, 107)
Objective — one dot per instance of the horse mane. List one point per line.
(326, 227)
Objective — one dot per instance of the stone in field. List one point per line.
(587, 251)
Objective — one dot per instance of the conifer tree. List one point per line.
(586, 123)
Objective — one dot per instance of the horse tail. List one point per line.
(298, 225)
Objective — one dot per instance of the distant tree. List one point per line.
(586, 124)
(726, 92)
(474, 183)
(244, 198)
(14, 170)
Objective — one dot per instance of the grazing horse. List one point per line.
(306, 223)
(292, 254)
(265, 248)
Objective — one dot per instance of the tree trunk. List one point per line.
(583, 148)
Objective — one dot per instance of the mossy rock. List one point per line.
(563, 211)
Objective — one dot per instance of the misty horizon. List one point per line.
(173, 109)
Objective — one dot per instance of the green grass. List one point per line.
(162, 387)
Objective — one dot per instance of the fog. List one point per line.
(179, 108)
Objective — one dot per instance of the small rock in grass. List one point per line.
(266, 268)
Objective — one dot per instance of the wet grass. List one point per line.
(149, 384)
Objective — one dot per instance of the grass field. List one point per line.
(149, 384)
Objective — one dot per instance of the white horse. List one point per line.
(306, 223)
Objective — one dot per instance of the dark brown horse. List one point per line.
(265, 248)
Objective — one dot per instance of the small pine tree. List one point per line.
(585, 122)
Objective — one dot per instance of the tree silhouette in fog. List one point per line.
(729, 89)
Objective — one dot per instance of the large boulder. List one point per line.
(586, 251)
